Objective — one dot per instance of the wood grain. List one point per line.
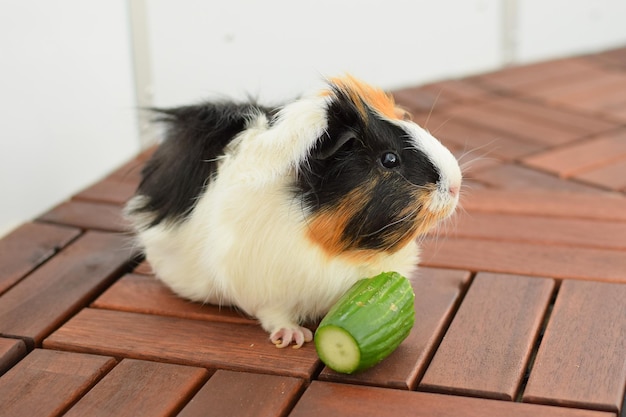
(146, 294)
(487, 347)
(439, 94)
(143, 268)
(599, 206)
(524, 77)
(531, 122)
(235, 394)
(87, 215)
(582, 359)
(437, 292)
(229, 346)
(479, 141)
(331, 399)
(27, 247)
(526, 259)
(50, 295)
(46, 382)
(140, 388)
(109, 190)
(511, 176)
(11, 351)
(582, 157)
(539, 229)
(611, 176)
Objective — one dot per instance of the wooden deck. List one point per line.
(520, 303)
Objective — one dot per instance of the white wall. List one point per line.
(555, 28)
(274, 49)
(67, 103)
(68, 99)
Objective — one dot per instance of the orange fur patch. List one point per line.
(326, 229)
(361, 94)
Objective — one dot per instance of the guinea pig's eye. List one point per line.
(390, 160)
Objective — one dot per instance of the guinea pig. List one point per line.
(279, 211)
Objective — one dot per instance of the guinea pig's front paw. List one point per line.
(284, 336)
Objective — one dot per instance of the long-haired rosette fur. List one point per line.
(278, 211)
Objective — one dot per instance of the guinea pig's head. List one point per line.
(374, 180)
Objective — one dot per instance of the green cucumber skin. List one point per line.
(378, 313)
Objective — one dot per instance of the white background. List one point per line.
(73, 72)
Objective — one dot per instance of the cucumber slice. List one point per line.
(367, 324)
(338, 350)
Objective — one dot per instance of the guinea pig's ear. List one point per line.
(402, 114)
(329, 146)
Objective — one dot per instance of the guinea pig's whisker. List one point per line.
(387, 226)
(467, 164)
(430, 112)
(434, 132)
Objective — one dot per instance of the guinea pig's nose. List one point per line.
(454, 189)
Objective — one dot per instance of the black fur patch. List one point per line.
(325, 179)
(175, 177)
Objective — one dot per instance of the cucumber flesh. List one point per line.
(338, 349)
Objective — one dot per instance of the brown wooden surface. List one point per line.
(526, 259)
(437, 292)
(541, 230)
(58, 289)
(605, 206)
(582, 358)
(331, 399)
(520, 297)
(111, 190)
(146, 294)
(188, 342)
(11, 351)
(140, 388)
(46, 383)
(87, 215)
(236, 394)
(488, 345)
(27, 247)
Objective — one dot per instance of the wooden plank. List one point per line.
(141, 388)
(478, 141)
(536, 229)
(109, 190)
(611, 176)
(146, 294)
(582, 157)
(143, 268)
(46, 382)
(11, 351)
(600, 206)
(439, 94)
(525, 259)
(331, 399)
(487, 347)
(40, 303)
(235, 394)
(582, 358)
(238, 347)
(511, 176)
(520, 77)
(130, 171)
(87, 215)
(437, 291)
(531, 122)
(27, 247)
